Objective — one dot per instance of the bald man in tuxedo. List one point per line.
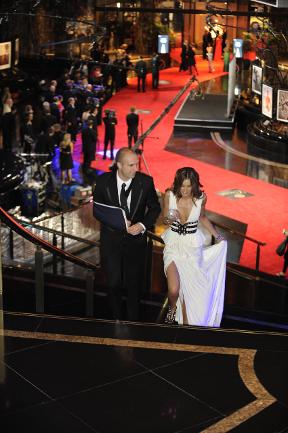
(123, 253)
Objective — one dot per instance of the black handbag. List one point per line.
(280, 250)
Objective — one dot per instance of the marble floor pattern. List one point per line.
(60, 374)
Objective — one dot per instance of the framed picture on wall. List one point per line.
(282, 105)
(5, 55)
(267, 100)
(256, 79)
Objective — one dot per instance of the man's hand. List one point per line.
(135, 229)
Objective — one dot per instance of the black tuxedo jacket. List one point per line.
(132, 120)
(144, 207)
(89, 138)
(141, 69)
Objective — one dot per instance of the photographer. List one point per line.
(109, 121)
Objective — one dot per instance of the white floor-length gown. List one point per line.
(202, 270)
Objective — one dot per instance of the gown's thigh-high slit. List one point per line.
(172, 268)
(172, 265)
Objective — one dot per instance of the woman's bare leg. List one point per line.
(173, 281)
(184, 314)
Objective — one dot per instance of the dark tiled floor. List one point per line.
(73, 375)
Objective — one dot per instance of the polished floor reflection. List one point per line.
(84, 375)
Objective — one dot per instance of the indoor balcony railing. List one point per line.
(245, 289)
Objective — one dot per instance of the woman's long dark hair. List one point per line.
(190, 174)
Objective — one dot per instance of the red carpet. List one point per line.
(265, 212)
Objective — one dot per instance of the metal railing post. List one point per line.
(62, 243)
(1, 276)
(11, 244)
(54, 263)
(257, 257)
(89, 293)
(62, 230)
(39, 280)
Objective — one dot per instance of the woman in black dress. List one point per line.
(66, 159)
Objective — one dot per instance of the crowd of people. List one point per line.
(72, 104)
(213, 48)
(62, 108)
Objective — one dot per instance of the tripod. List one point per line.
(141, 157)
(140, 151)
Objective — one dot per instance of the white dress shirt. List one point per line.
(119, 186)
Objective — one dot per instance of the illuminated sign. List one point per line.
(163, 44)
(238, 48)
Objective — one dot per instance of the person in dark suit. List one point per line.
(141, 72)
(132, 120)
(285, 256)
(155, 64)
(110, 121)
(123, 252)
(70, 118)
(28, 133)
(207, 40)
(89, 139)
(183, 55)
(191, 60)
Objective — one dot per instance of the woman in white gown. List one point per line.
(195, 274)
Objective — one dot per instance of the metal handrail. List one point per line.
(62, 212)
(22, 231)
(14, 225)
(56, 232)
(235, 232)
(232, 231)
(96, 243)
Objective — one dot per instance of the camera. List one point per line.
(110, 113)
